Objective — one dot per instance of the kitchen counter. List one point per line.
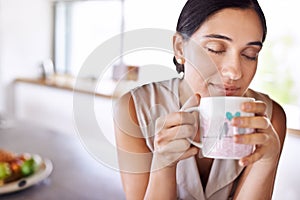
(76, 174)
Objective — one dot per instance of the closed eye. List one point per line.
(251, 53)
(214, 51)
(250, 58)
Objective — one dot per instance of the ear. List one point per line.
(178, 42)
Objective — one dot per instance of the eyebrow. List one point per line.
(257, 43)
(223, 37)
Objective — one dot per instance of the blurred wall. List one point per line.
(25, 41)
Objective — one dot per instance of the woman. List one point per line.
(156, 160)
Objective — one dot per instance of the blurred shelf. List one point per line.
(294, 131)
(69, 83)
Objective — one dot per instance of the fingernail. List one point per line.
(247, 106)
(243, 163)
(237, 121)
(237, 139)
(194, 152)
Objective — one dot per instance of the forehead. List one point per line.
(235, 23)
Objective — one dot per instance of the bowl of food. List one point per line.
(20, 171)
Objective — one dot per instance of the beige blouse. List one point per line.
(158, 99)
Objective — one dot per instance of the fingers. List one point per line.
(177, 132)
(171, 131)
(255, 156)
(165, 159)
(175, 119)
(265, 139)
(175, 146)
(253, 138)
(189, 153)
(257, 122)
(267, 146)
(175, 126)
(257, 107)
(192, 101)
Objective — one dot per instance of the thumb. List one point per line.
(189, 153)
(193, 101)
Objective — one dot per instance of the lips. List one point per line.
(228, 90)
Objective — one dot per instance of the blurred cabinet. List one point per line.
(52, 107)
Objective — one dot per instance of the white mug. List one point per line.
(215, 114)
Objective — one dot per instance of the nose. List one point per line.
(232, 68)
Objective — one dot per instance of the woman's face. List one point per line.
(232, 38)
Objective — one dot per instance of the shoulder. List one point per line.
(154, 87)
(279, 120)
(278, 112)
(143, 96)
(258, 95)
(124, 107)
(145, 91)
(127, 130)
(279, 116)
(163, 94)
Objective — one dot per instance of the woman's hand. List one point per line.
(171, 131)
(265, 137)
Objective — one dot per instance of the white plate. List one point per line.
(43, 172)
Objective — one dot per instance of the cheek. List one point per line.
(194, 74)
(198, 63)
(195, 80)
(249, 70)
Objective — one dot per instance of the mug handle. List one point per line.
(193, 109)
